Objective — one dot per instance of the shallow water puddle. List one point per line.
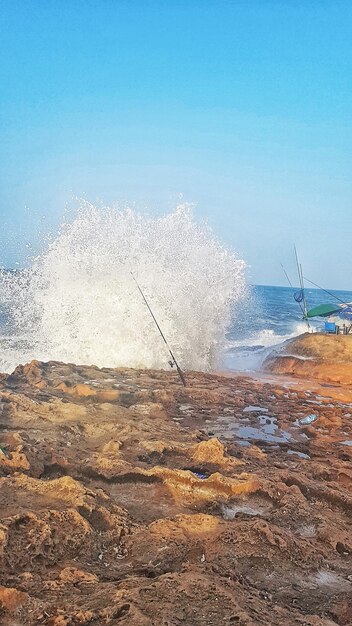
(255, 409)
(184, 408)
(348, 442)
(302, 455)
(147, 502)
(307, 531)
(253, 507)
(250, 426)
(264, 428)
(328, 580)
(322, 582)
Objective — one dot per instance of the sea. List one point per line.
(269, 317)
(82, 299)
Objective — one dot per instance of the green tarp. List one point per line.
(323, 310)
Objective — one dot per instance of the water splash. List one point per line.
(78, 303)
(249, 354)
(267, 337)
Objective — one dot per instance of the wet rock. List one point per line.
(118, 506)
(320, 356)
(213, 452)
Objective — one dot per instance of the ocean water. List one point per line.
(268, 317)
(78, 302)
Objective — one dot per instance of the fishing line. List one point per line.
(326, 291)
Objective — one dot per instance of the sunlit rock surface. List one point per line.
(320, 356)
(127, 499)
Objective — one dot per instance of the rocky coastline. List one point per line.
(128, 499)
(314, 355)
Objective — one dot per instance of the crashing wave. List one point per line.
(77, 302)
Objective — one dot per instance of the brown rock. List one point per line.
(126, 510)
(315, 355)
(11, 599)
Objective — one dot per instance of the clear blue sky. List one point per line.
(245, 108)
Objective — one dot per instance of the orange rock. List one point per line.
(82, 391)
(108, 526)
(216, 487)
(315, 355)
(15, 460)
(74, 575)
(210, 451)
(12, 599)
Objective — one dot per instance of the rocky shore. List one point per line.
(128, 499)
(316, 355)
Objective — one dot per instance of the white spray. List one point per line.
(78, 302)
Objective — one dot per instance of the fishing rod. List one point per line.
(298, 301)
(293, 289)
(179, 371)
(326, 291)
(300, 277)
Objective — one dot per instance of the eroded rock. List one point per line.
(128, 499)
(314, 355)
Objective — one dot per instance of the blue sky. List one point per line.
(244, 108)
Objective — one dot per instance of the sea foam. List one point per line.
(77, 301)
